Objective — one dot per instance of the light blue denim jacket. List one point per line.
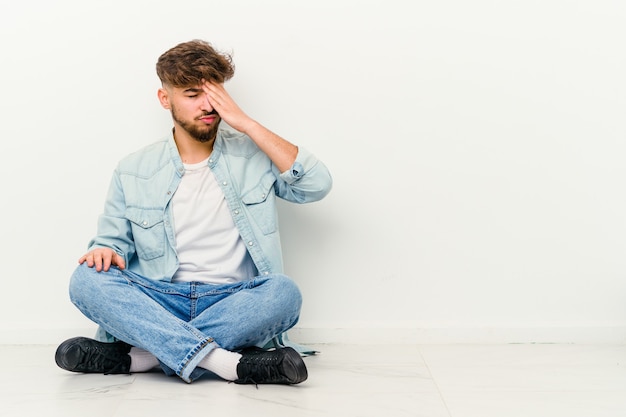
(137, 220)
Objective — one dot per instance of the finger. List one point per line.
(214, 90)
(209, 91)
(205, 88)
(119, 261)
(211, 99)
(106, 262)
(89, 258)
(212, 102)
(97, 261)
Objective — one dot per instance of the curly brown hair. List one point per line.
(188, 63)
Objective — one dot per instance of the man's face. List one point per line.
(192, 112)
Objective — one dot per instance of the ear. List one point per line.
(164, 98)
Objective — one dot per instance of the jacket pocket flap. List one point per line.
(145, 218)
(259, 193)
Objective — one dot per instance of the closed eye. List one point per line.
(192, 92)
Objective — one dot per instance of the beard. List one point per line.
(200, 133)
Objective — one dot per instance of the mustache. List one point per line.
(206, 113)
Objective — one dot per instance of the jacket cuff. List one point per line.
(305, 160)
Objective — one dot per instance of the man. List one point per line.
(185, 271)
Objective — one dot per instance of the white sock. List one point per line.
(141, 360)
(222, 362)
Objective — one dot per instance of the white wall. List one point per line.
(477, 149)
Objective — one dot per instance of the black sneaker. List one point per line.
(279, 366)
(81, 354)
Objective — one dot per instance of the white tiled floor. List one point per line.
(392, 381)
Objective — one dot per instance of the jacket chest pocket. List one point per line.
(260, 202)
(148, 231)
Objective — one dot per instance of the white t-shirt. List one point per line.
(209, 247)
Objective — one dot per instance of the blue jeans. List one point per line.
(180, 323)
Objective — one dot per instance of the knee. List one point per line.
(86, 284)
(78, 282)
(286, 291)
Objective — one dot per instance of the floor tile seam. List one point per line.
(432, 377)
